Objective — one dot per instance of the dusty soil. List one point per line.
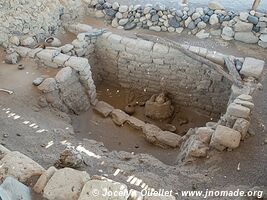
(219, 171)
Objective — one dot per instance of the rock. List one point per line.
(67, 48)
(179, 30)
(253, 19)
(243, 16)
(245, 97)
(43, 179)
(201, 25)
(64, 75)
(129, 109)
(13, 189)
(241, 125)
(188, 21)
(243, 26)
(48, 85)
(130, 26)
(115, 6)
(202, 34)
(115, 23)
(110, 12)
(192, 147)
(12, 58)
(135, 123)
(3, 151)
(237, 110)
(226, 137)
(14, 40)
(70, 157)
(191, 25)
(244, 103)
(147, 9)
(214, 19)
(102, 187)
(215, 5)
(19, 166)
(103, 108)
(262, 44)
(204, 134)
(119, 117)
(155, 28)
(263, 37)
(174, 23)
(151, 132)
(77, 63)
(122, 22)
(123, 8)
(66, 184)
(155, 18)
(228, 31)
(38, 81)
(169, 139)
(252, 67)
(247, 37)
(28, 42)
(196, 15)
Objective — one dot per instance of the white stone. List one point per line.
(226, 137)
(60, 59)
(202, 34)
(237, 110)
(245, 97)
(66, 184)
(96, 190)
(122, 22)
(263, 37)
(14, 40)
(67, 48)
(29, 41)
(47, 54)
(123, 8)
(214, 19)
(247, 104)
(262, 44)
(115, 23)
(243, 26)
(99, 14)
(241, 125)
(201, 25)
(155, 28)
(228, 31)
(115, 6)
(19, 166)
(252, 67)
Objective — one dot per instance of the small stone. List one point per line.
(263, 37)
(103, 108)
(253, 19)
(241, 125)
(130, 26)
(122, 22)
(5, 135)
(115, 6)
(123, 8)
(243, 16)
(174, 23)
(38, 81)
(201, 25)
(214, 19)
(262, 44)
(191, 25)
(243, 26)
(155, 28)
(12, 58)
(70, 157)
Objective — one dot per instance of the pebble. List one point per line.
(38, 81)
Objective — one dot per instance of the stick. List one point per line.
(230, 64)
(194, 56)
(7, 91)
(255, 4)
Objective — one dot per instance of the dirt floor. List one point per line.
(219, 171)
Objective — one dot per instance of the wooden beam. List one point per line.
(255, 4)
(190, 54)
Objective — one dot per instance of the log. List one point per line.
(255, 4)
(190, 54)
(230, 64)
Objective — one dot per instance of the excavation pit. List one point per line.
(101, 72)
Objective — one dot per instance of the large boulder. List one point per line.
(66, 184)
(252, 67)
(19, 166)
(225, 137)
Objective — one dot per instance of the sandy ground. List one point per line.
(220, 171)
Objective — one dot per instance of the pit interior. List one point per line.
(126, 75)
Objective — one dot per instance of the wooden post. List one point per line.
(255, 4)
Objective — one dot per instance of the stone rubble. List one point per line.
(248, 27)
